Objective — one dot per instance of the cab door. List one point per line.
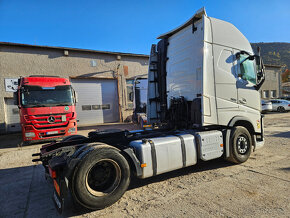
(225, 79)
(248, 96)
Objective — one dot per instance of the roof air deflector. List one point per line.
(198, 15)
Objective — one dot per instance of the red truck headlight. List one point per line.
(71, 130)
(29, 134)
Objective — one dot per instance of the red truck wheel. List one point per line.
(101, 178)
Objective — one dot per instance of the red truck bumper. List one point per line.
(30, 133)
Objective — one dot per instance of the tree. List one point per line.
(285, 76)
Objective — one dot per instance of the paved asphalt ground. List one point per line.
(258, 188)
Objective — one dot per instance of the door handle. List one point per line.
(243, 101)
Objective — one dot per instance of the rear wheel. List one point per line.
(101, 178)
(281, 109)
(240, 145)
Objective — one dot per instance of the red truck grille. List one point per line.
(48, 121)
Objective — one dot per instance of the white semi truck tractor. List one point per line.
(203, 103)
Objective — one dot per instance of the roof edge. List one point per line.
(73, 49)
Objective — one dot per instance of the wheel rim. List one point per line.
(103, 178)
(242, 144)
(281, 109)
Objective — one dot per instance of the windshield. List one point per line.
(248, 69)
(36, 96)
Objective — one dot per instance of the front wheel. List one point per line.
(240, 145)
(101, 178)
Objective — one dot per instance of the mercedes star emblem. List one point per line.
(51, 119)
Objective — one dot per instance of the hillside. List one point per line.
(275, 53)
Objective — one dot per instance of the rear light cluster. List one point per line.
(52, 173)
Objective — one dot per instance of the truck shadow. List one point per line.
(199, 167)
(282, 134)
(14, 140)
(25, 191)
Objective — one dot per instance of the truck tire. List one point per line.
(73, 137)
(240, 145)
(101, 178)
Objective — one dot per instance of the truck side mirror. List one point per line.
(15, 98)
(76, 97)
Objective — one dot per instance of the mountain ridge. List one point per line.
(274, 53)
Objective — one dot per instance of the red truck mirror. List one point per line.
(16, 99)
(76, 97)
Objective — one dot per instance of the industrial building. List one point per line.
(103, 80)
(272, 85)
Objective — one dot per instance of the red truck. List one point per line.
(46, 107)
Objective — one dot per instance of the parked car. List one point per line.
(280, 105)
(266, 106)
(286, 98)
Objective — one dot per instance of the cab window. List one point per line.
(247, 68)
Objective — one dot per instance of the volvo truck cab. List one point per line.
(204, 74)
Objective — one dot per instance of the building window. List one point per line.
(93, 63)
(105, 106)
(101, 107)
(130, 93)
(15, 111)
(273, 93)
(266, 94)
(86, 107)
(96, 107)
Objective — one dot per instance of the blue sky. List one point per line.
(132, 25)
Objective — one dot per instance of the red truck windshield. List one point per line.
(37, 96)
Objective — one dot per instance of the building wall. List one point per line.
(16, 61)
(271, 87)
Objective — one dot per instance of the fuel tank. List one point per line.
(164, 154)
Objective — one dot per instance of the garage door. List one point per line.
(97, 101)
(12, 116)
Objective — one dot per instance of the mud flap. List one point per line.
(59, 193)
(58, 202)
